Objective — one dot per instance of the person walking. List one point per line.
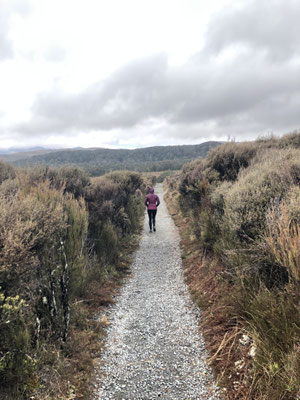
(152, 202)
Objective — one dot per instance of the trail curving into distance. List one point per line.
(154, 349)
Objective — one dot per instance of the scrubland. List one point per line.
(238, 211)
(64, 245)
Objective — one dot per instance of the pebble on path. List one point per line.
(153, 348)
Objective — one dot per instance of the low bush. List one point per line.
(71, 179)
(283, 234)
(115, 207)
(6, 172)
(58, 233)
(17, 365)
(242, 204)
(163, 175)
(225, 162)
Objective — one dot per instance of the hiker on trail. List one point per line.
(152, 202)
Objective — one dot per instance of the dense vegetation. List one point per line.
(242, 260)
(99, 161)
(63, 236)
(61, 239)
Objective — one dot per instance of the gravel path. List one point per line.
(154, 349)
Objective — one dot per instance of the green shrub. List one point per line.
(6, 172)
(115, 207)
(17, 366)
(135, 209)
(194, 186)
(164, 175)
(246, 205)
(107, 244)
(74, 242)
(42, 234)
(266, 182)
(75, 179)
(70, 179)
(243, 204)
(290, 140)
(47, 263)
(225, 162)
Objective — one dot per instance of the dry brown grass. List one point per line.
(221, 322)
(283, 240)
(240, 282)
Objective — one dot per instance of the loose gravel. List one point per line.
(154, 349)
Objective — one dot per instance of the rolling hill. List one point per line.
(97, 161)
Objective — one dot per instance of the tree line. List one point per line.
(99, 161)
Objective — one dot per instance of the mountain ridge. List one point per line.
(97, 161)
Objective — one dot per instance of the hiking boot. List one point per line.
(154, 229)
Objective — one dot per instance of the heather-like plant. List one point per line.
(42, 234)
(6, 172)
(75, 180)
(17, 366)
(225, 162)
(47, 238)
(290, 140)
(71, 179)
(243, 204)
(283, 234)
(115, 206)
(248, 200)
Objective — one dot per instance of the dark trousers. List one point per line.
(152, 214)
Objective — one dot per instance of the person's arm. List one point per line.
(146, 201)
(157, 201)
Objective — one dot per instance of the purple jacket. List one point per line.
(152, 200)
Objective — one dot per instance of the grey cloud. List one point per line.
(151, 89)
(237, 86)
(248, 93)
(131, 95)
(271, 26)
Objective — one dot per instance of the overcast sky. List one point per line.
(136, 73)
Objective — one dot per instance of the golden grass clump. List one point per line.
(266, 181)
(283, 234)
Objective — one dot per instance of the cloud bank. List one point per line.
(245, 81)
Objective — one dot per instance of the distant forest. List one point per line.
(99, 161)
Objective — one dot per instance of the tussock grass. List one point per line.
(273, 322)
(283, 239)
(240, 227)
